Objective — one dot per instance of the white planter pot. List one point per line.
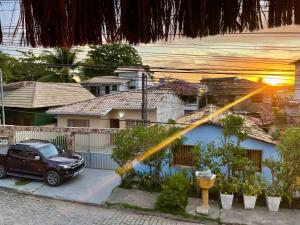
(273, 203)
(226, 201)
(249, 201)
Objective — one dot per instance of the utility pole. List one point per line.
(2, 100)
(144, 100)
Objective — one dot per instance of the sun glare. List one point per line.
(274, 80)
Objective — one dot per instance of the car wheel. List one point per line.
(52, 178)
(2, 172)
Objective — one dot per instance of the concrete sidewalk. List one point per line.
(259, 216)
(236, 216)
(92, 186)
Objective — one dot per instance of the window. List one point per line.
(78, 123)
(131, 87)
(94, 90)
(133, 123)
(184, 156)
(114, 88)
(49, 150)
(256, 157)
(22, 154)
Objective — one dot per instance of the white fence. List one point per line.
(95, 148)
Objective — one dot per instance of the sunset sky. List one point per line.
(271, 51)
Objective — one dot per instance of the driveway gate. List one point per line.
(96, 149)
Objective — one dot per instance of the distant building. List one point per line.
(188, 92)
(292, 108)
(125, 78)
(26, 102)
(222, 91)
(120, 110)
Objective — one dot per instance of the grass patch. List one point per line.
(22, 182)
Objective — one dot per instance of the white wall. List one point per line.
(171, 107)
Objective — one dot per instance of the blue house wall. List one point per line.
(206, 134)
(211, 133)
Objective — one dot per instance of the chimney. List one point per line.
(297, 81)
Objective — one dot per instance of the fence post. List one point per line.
(9, 133)
(71, 143)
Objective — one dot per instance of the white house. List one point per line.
(120, 110)
(125, 78)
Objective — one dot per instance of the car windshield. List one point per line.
(49, 150)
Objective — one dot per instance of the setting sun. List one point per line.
(273, 80)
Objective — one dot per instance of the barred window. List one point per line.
(256, 157)
(184, 156)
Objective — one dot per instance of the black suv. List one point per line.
(38, 159)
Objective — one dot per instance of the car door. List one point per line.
(15, 160)
(33, 163)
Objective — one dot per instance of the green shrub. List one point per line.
(252, 186)
(227, 185)
(174, 195)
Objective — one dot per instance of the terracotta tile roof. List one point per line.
(250, 122)
(120, 100)
(180, 87)
(264, 110)
(41, 95)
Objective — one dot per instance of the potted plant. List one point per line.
(227, 187)
(252, 187)
(275, 190)
(273, 196)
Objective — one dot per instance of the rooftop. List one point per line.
(43, 95)
(250, 122)
(124, 69)
(16, 85)
(181, 88)
(120, 100)
(231, 86)
(105, 80)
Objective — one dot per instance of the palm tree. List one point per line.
(63, 61)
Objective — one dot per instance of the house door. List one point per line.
(114, 123)
(107, 90)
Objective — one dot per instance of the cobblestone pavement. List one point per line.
(20, 209)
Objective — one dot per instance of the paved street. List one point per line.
(19, 209)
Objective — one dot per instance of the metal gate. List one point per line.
(96, 149)
(60, 139)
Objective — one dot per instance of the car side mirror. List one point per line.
(37, 157)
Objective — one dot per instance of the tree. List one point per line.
(6, 63)
(133, 142)
(109, 57)
(231, 154)
(289, 150)
(63, 61)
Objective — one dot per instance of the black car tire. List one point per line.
(52, 178)
(2, 172)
